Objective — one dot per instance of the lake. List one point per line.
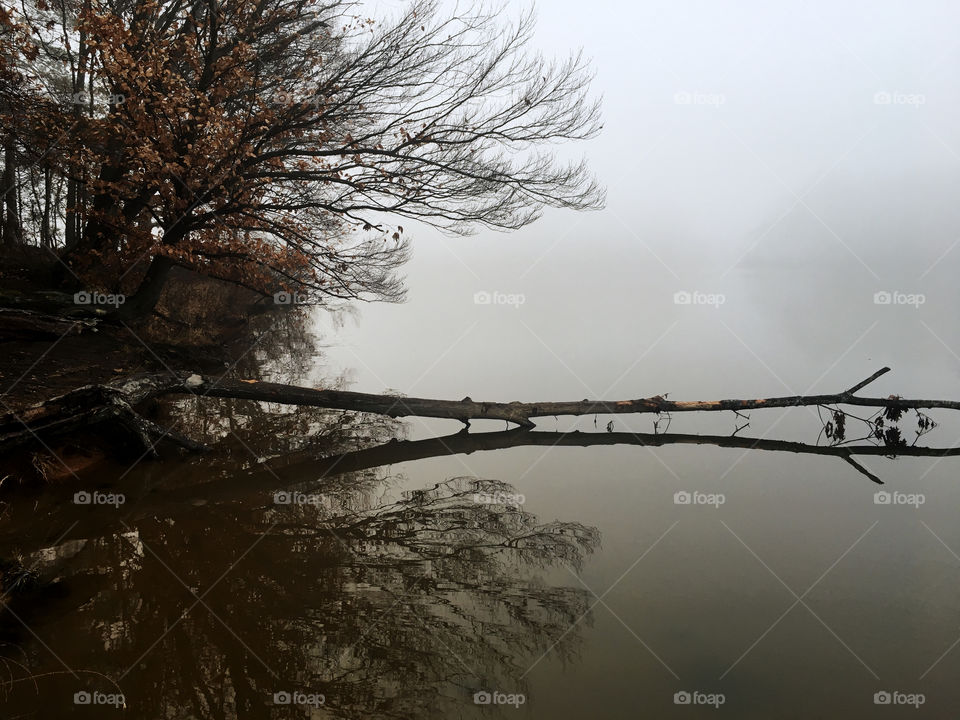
(469, 577)
(781, 219)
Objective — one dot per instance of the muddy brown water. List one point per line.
(323, 564)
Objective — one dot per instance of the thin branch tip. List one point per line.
(861, 385)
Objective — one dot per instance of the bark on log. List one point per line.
(122, 397)
(81, 408)
(518, 412)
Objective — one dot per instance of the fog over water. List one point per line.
(794, 168)
(782, 218)
(748, 151)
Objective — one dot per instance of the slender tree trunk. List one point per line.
(72, 227)
(46, 236)
(11, 226)
(70, 222)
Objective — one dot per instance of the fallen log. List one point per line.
(120, 399)
(85, 407)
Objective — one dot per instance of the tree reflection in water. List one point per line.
(399, 610)
(200, 604)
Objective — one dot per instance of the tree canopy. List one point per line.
(277, 145)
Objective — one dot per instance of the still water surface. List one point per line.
(794, 238)
(399, 579)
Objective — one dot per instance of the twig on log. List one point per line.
(861, 469)
(859, 385)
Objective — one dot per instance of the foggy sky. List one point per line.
(795, 158)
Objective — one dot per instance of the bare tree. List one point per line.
(271, 144)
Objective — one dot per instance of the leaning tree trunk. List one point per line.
(148, 293)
